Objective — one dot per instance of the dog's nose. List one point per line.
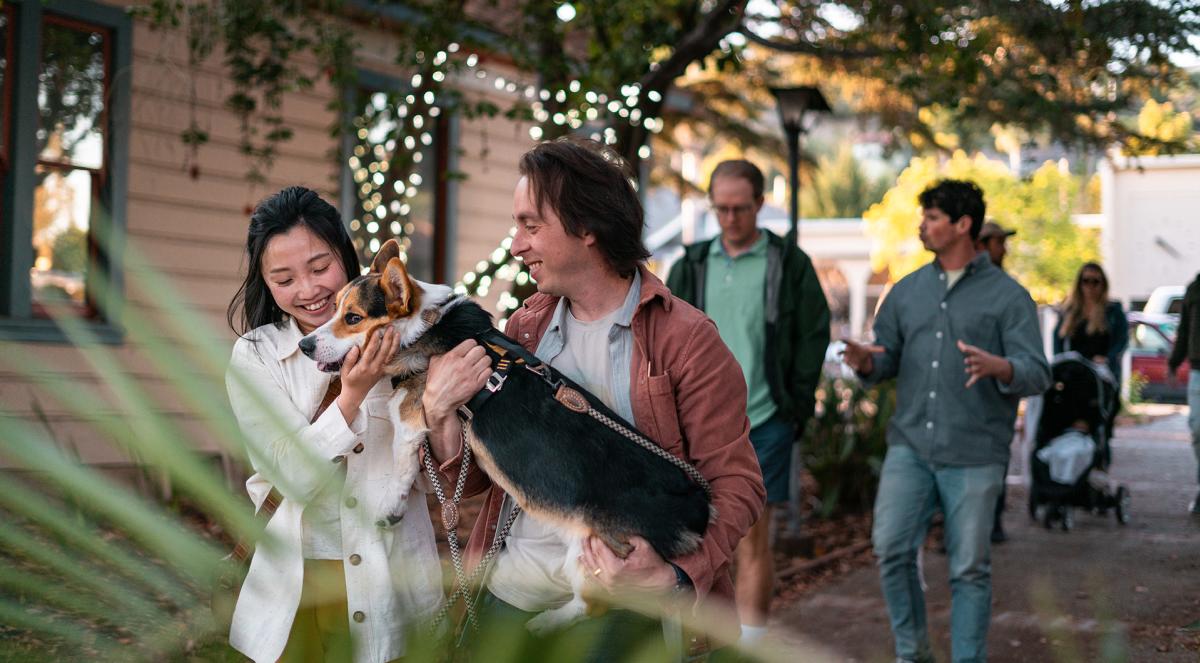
(308, 346)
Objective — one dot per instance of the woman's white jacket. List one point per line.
(393, 578)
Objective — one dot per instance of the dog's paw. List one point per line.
(393, 506)
(559, 618)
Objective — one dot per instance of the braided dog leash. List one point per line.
(463, 583)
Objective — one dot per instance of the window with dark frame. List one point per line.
(64, 121)
(390, 196)
(70, 176)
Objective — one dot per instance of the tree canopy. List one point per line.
(1069, 68)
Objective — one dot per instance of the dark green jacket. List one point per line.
(797, 320)
(1187, 337)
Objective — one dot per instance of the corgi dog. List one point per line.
(554, 458)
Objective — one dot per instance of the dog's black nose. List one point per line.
(308, 346)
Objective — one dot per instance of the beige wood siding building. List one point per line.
(186, 210)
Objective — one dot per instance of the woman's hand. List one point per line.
(362, 369)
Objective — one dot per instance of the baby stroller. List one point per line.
(1071, 455)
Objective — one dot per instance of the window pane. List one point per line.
(62, 210)
(393, 198)
(71, 85)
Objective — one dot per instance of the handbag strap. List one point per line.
(243, 549)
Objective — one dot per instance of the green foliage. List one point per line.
(845, 443)
(1162, 130)
(69, 251)
(1137, 386)
(840, 188)
(1044, 255)
(933, 71)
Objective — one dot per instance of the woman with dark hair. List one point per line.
(335, 579)
(1092, 325)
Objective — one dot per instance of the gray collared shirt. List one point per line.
(919, 325)
(620, 346)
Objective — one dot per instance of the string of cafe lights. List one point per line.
(369, 164)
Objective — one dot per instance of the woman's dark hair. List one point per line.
(957, 198)
(252, 305)
(591, 190)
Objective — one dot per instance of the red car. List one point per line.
(1151, 337)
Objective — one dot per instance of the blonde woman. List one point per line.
(1092, 325)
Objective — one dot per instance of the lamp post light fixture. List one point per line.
(798, 107)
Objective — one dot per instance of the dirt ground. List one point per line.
(1102, 592)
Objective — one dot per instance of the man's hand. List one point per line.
(642, 570)
(453, 379)
(858, 356)
(982, 364)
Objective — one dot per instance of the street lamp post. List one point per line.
(797, 108)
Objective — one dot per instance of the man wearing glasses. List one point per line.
(771, 312)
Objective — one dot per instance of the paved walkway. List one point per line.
(1102, 592)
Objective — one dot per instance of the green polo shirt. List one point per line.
(734, 293)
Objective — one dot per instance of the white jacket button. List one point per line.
(359, 616)
(355, 559)
(351, 502)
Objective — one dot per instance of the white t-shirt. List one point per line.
(529, 572)
(953, 275)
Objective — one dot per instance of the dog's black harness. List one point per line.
(505, 355)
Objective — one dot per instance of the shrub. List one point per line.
(845, 442)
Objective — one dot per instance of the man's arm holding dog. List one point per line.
(710, 402)
(453, 379)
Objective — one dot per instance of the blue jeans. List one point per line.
(909, 489)
(1193, 401)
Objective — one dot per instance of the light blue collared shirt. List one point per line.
(620, 346)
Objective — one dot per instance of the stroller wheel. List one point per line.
(1068, 519)
(1033, 506)
(1049, 515)
(1122, 500)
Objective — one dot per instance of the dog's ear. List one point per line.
(399, 290)
(389, 250)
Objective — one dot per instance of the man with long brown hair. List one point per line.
(603, 319)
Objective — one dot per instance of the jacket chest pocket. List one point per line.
(666, 417)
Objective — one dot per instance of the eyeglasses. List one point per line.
(737, 210)
(1091, 280)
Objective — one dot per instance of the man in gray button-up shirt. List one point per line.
(962, 338)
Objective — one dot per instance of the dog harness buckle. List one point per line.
(495, 381)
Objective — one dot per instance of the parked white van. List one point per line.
(1166, 299)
